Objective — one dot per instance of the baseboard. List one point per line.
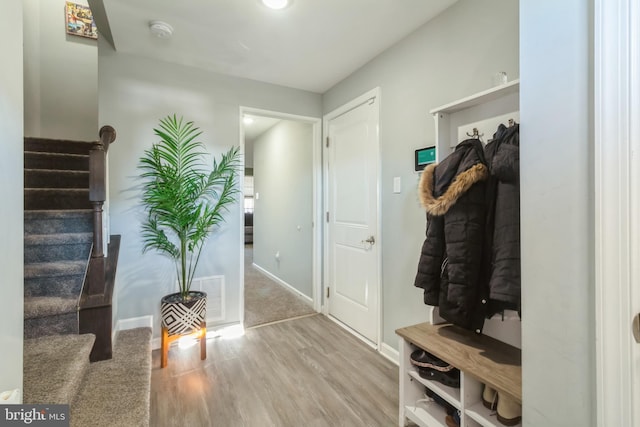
(132, 323)
(390, 353)
(283, 283)
(135, 322)
(156, 343)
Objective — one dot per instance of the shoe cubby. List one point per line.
(480, 359)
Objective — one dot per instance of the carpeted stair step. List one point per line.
(47, 198)
(57, 146)
(57, 247)
(50, 315)
(56, 161)
(51, 178)
(58, 221)
(54, 368)
(63, 278)
(117, 392)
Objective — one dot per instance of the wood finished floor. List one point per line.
(302, 372)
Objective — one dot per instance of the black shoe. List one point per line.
(451, 378)
(422, 359)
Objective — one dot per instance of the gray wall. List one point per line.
(557, 214)
(11, 185)
(453, 56)
(134, 94)
(60, 75)
(283, 176)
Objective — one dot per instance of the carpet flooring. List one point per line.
(266, 301)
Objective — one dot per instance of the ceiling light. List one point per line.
(276, 4)
(160, 29)
(247, 120)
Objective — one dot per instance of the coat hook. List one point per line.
(512, 122)
(475, 134)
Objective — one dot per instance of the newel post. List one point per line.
(98, 185)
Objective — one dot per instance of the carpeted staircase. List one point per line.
(109, 393)
(58, 234)
(58, 238)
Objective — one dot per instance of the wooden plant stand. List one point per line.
(167, 339)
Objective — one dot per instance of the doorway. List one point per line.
(281, 181)
(352, 199)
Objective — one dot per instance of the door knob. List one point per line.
(371, 240)
(636, 327)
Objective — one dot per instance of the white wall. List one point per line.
(453, 56)
(60, 75)
(134, 94)
(283, 176)
(557, 210)
(11, 185)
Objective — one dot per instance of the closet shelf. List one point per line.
(488, 360)
(450, 394)
(485, 417)
(479, 98)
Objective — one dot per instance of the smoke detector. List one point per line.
(160, 29)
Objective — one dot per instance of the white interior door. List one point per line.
(353, 263)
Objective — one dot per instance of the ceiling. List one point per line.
(310, 45)
(260, 125)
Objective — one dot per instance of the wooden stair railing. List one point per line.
(96, 301)
(98, 185)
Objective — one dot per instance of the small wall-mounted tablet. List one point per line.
(424, 156)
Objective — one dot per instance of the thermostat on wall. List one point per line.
(424, 156)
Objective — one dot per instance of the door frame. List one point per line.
(617, 208)
(354, 103)
(316, 255)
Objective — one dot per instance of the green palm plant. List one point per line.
(183, 201)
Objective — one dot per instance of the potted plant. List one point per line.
(184, 203)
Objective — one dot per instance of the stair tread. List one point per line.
(54, 154)
(128, 384)
(36, 307)
(57, 171)
(55, 213)
(54, 269)
(54, 367)
(58, 238)
(57, 190)
(48, 145)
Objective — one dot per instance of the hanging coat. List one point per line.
(449, 270)
(503, 220)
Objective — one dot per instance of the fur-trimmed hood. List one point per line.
(441, 185)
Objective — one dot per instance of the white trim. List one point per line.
(488, 95)
(373, 93)
(131, 323)
(135, 322)
(316, 268)
(617, 182)
(390, 353)
(353, 332)
(281, 282)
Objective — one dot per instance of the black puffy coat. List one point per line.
(450, 266)
(503, 220)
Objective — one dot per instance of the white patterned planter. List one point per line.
(182, 317)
